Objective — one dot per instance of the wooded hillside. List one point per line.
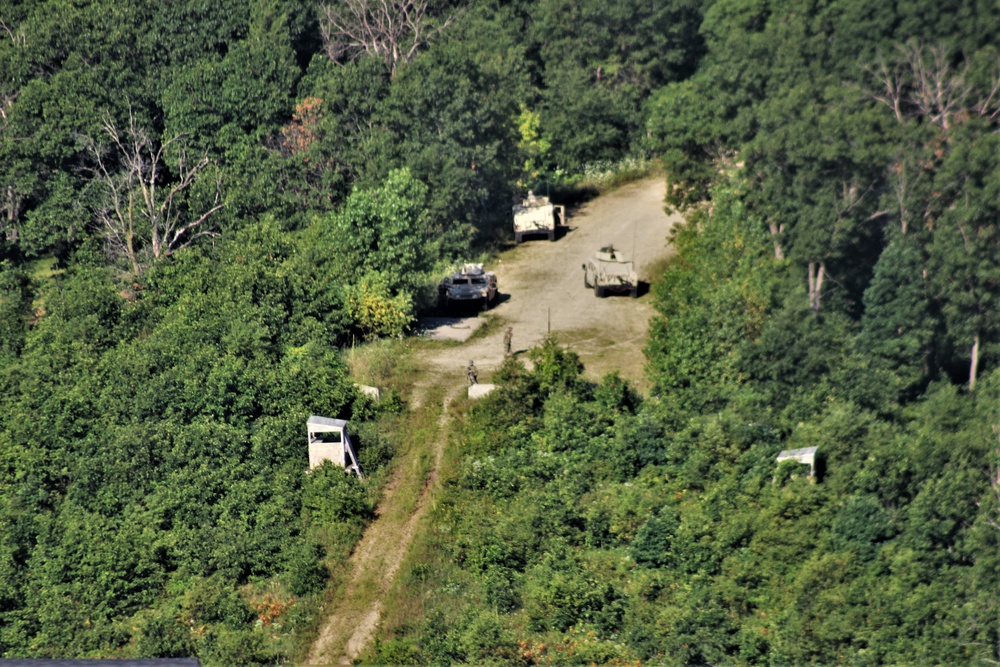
(834, 288)
(202, 204)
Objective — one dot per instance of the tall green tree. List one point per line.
(383, 231)
(900, 325)
(963, 250)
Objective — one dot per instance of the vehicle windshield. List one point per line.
(461, 281)
(618, 269)
(479, 281)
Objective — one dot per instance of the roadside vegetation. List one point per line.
(581, 523)
(835, 288)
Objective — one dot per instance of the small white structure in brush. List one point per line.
(329, 441)
(806, 456)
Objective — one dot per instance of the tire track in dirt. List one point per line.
(542, 285)
(377, 558)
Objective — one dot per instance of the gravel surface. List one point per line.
(541, 285)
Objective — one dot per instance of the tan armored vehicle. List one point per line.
(535, 215)
(471, 286)
(610, 271)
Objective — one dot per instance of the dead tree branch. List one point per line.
(939, 90)
(923, 81)
(144, 212)
(988, 105)
(890, 88)
(19, 38)
(391, 30)
(6, 101)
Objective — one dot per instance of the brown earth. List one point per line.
(541, 284)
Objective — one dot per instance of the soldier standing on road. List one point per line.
(472, 372)
(507, 337)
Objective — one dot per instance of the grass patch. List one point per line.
(653, 271)
(43, 269)
(597, 178)
(608, 175)
(428, 572)
(383, 363)
(601, 354)
(493, 324)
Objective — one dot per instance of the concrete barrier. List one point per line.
(370, 391)
(480, 390)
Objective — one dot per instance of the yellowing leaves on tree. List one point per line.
(375, 311)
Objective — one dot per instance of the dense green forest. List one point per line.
(835, 287)
(202, 204)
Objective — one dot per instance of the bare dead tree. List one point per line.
(391, 30)
(11, 203)
(939, 91)
(7, 98)
(988, 106)
(817, 272)
(923, 81)
(889, 86)
(143, 213)
(11, 200)
(18, 37)
(901, 189)
(777, 229)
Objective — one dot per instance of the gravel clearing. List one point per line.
(542, 287)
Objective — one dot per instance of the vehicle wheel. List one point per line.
(634, 292)
(518, 238)
(552, 235)
(486, 303)
(598, 291)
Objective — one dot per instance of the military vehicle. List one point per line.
(535, 215)
(471, 286)
(610, 271)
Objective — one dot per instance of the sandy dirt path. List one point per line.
(352, 624)
(541, 282)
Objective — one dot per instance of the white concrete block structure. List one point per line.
(480, 390)
(373, 392)
(806, 456)
(329, 441)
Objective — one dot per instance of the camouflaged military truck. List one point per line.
(610, 271)
(535, 215)
(471, 286)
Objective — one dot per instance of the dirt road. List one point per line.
(352, 623)
(542, 282)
